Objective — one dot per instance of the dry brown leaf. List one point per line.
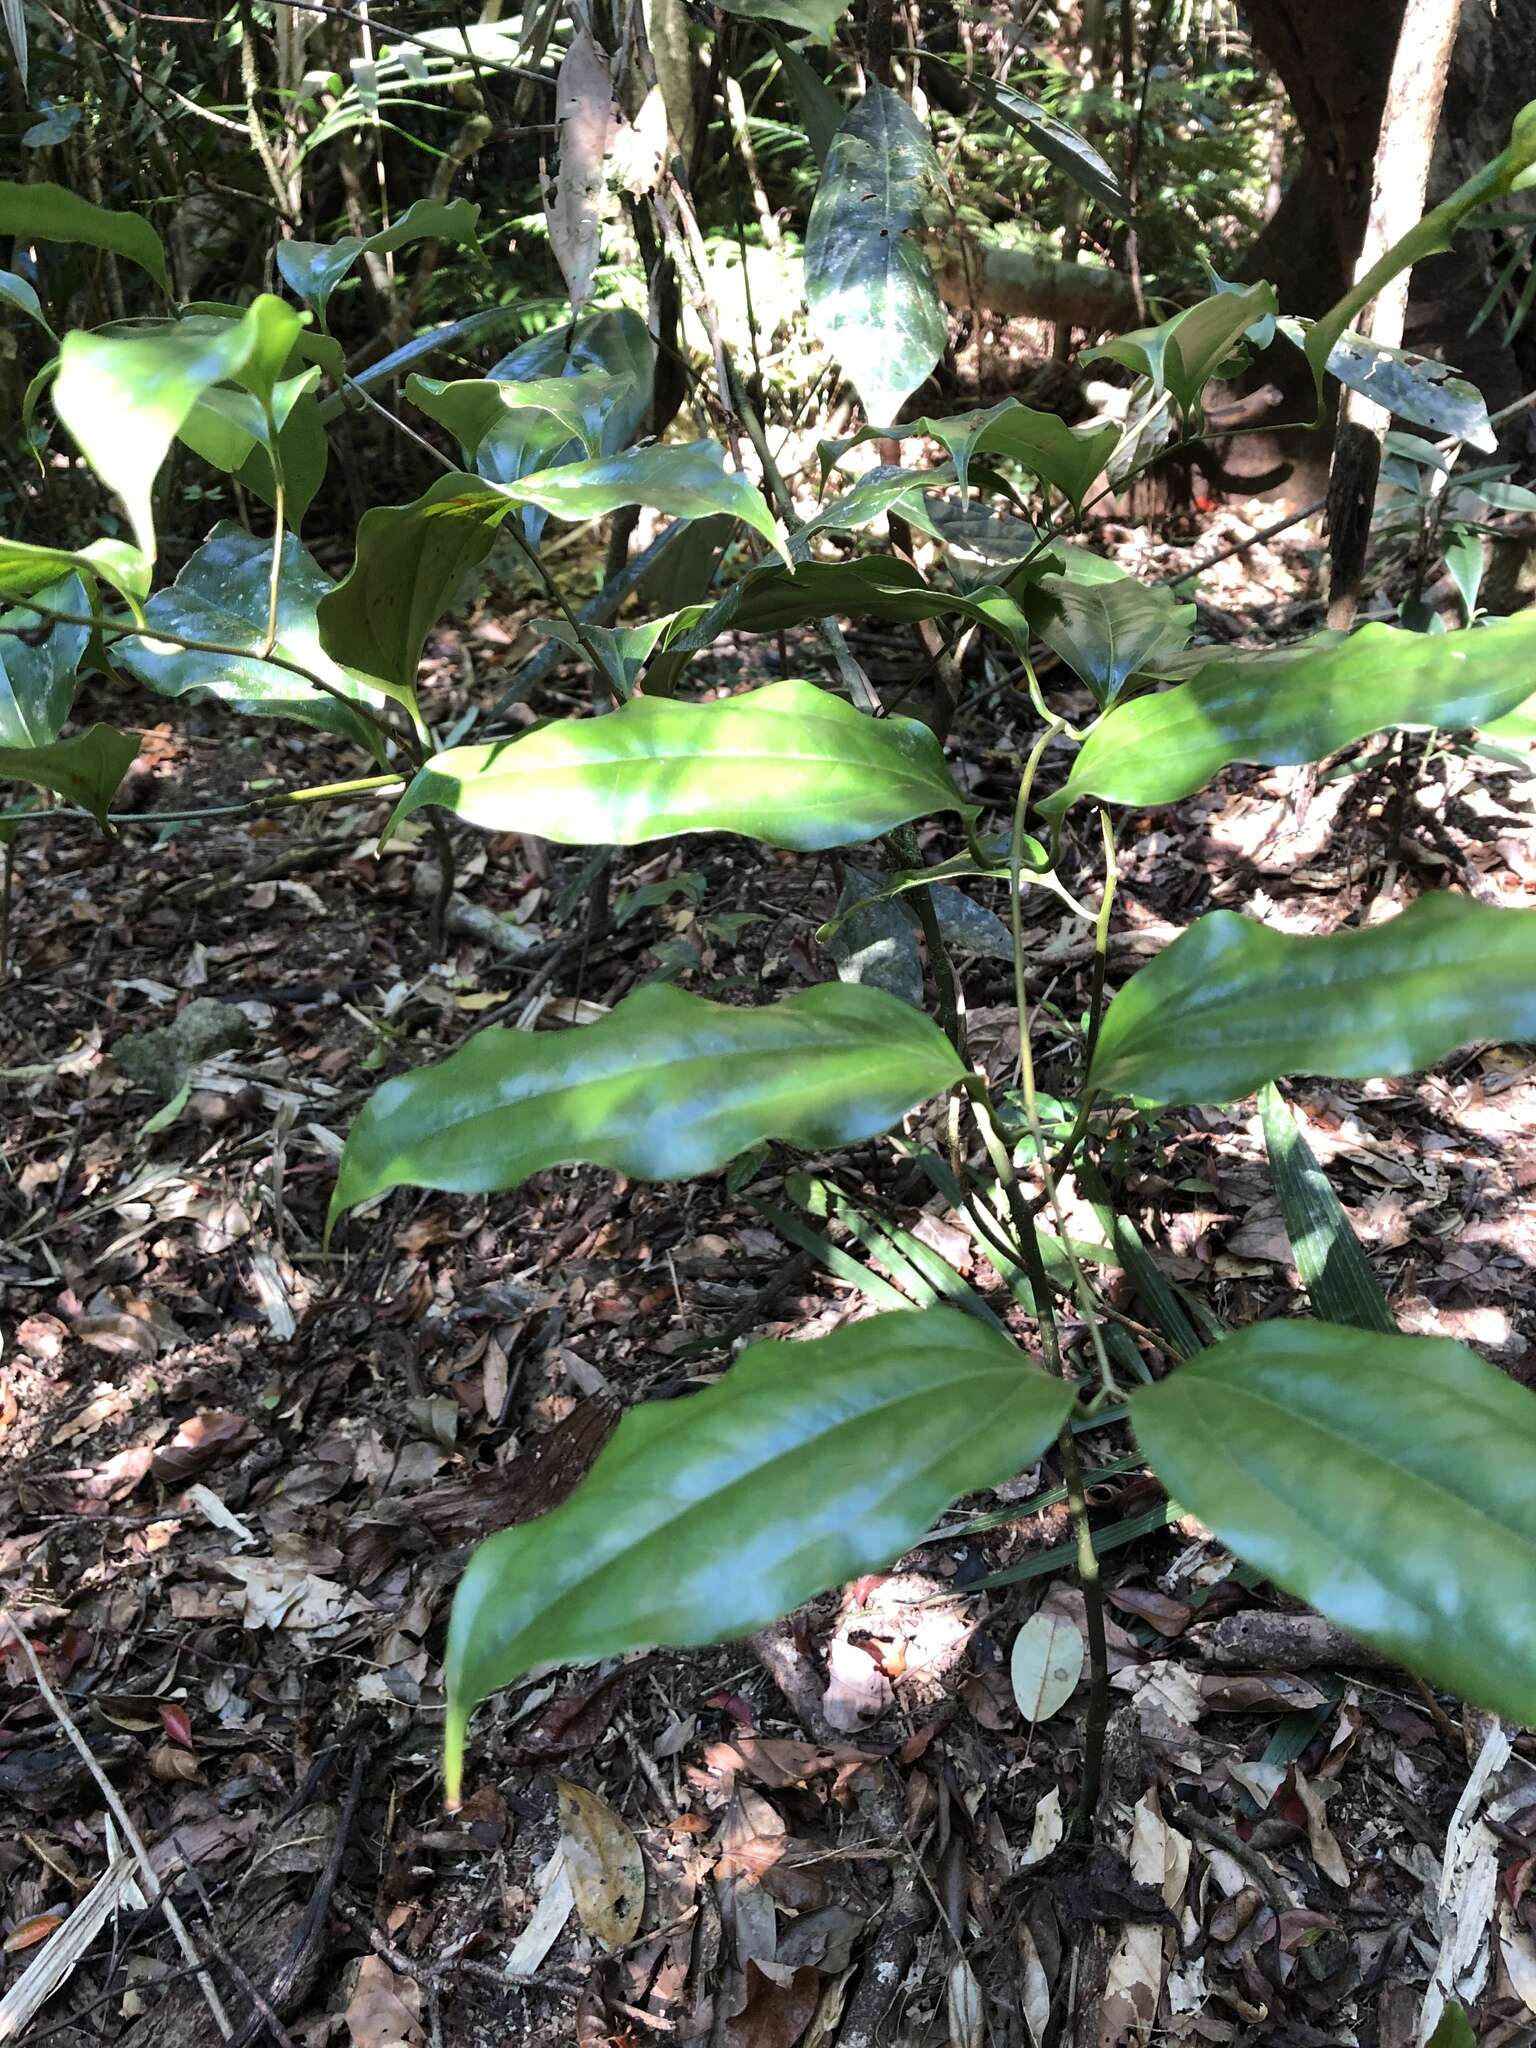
(1326, 1853)
(775, 2015)
(1034, 1987)
(606, 1868)
(1046, 1832)
(967, 2011)
(384, 2010)
(573, 200)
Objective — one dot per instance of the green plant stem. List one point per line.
(279, 509)
(1098, 1648)
(284, 800)
(7, 884)
(147, 632)
(1074, 1137)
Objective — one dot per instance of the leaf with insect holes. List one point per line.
(606, 1868)
(1045, 1666)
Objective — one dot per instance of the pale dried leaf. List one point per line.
(966, 2010)
(1045, 1666)
(606, 1868)
(384, 2010)
(573, 201)
(1034, 1986)
(556, 1898)
(1046, 1832)
(1519, 1953)
(1326, 1853)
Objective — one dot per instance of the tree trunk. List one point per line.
(1334, 62)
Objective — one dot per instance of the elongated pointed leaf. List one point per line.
(39, 664)
(50, 213)
(1231, 1004)
(85, 770)
(870, 291)
(809, 17)
(1054, 139)
(1329, 1257)
(705, 1518)
(1301, 704)
(791, 765)
(687, 480)
(666, 1086)
(1066, 458)
(1182, 354)
(1105, 624)
(124, 397)
(1387, 1480)
(312, 270)
(15, 291)
(1413, 387)
(819, 108)
(222, 595)
(25, 568)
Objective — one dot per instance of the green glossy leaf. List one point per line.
(25, 569)
(1066, 458)
(38, 666)
(304, 451)
(222, 595)
(312, 270)
(819, 108)
(49, 213)
(1329, 1257)
(615, 343)
(869, 288)
(705, 1518)
(883, 489)
(666, 1086)
(1106, 625)
(85, 770)
(1054, 139)
(686, 480)
(790, 765)
(125, 397)
(808, 17)
(409, 564)
(1386, 1480)
(474, 407)
(1182, 354)
(1232, 1004)
(15, 291)
(1301, 704)
(1510, 171)
(1413, 387)
(1453, 2030)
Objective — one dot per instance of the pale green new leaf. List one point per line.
(1106, 625)
(686, 480)
(312, 270)
(85, 770)
(1301, 704)
(1329, 1257)
(125, 397)
(39, 664)
(1182, 354)
(1232, 1004)
(790, 765)
(704, 1519)
(868, 286)
(51, 213)
(26, 568)
(222, 595)
(1386, 1480)
(666, 1086)
(472, 407)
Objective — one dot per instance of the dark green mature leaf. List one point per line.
(1413, 387)
(1384, 1479)
(790, 764)
(312, 270)
(1066, 458)
(705, 1518)
(15, 291)
(49, 213)
(809, 17)
(125, 397)
(409, 563)
(85, 770)
(666, 1086)
(1509, 172)
(38, 666)
(1453, 2030)
(1058, 143)
(222, 595)
(1300, 704)
(1329, 1257)
(1184, 353)
(870, 291)
(1231, 1004)
(1105, 624)
(819, 108)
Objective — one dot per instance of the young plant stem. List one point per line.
(320, 792)
(279, 507)
(1098, 1648)
(7, 884)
